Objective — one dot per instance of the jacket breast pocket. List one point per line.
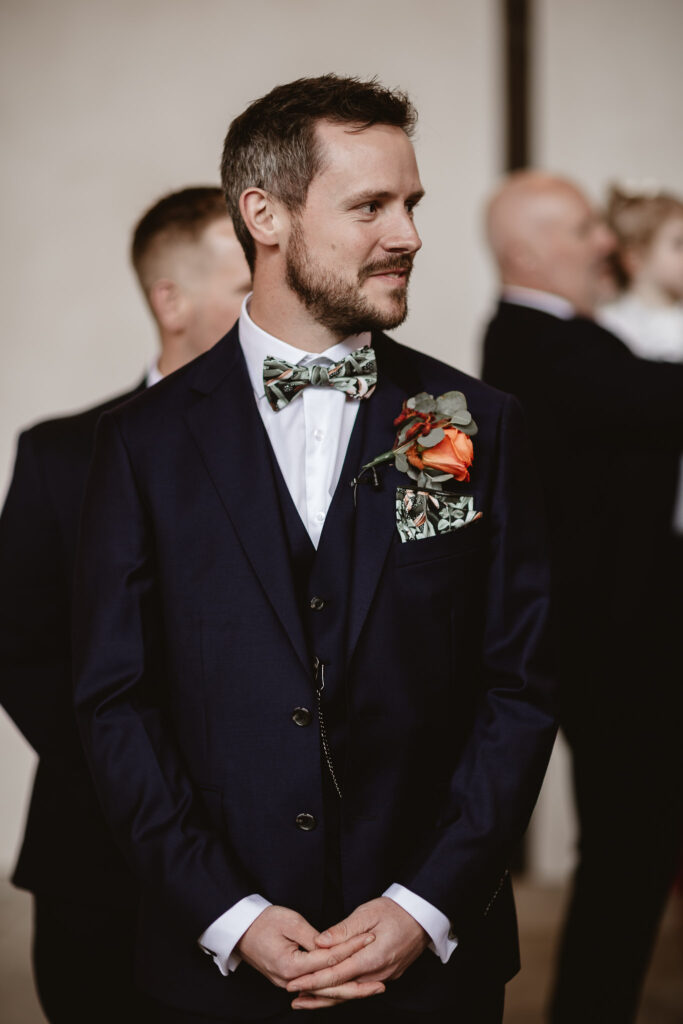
(465, 540)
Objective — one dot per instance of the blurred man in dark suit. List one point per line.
(607, 429)
(194, 277)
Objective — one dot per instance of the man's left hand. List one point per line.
(399, 940)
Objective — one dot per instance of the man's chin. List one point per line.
(387, 320)
(389, 312)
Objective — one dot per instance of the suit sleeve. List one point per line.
(138, 769)
(462, 866)
(35, 667)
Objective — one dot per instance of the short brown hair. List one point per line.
(635, 218)
(179, 215)
(273, 146)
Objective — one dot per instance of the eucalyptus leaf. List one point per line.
(403, 431)
(433, 438)
(450, 403)
(468, 428)
(401, 463)
(423, 402)
(462, 416)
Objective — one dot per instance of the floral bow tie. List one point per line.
(356, 376)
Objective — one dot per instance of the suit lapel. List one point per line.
(227, 428)
(375, 508)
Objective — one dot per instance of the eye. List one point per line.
(371, 207)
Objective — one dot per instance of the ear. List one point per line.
(169, 305)
(522, 255)
(265, 216)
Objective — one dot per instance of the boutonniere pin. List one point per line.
(433, 444)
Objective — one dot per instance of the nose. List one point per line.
(402, 235)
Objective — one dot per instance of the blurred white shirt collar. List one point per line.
(546, 302)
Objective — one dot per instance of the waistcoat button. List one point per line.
(306, 822)
(302, 716)
(317, 603)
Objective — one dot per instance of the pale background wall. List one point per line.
(607, 106)
(107, 106)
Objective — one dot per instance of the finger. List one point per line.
(301, 933)
(308, 963)
(313, 1003)
(354, 924)
(352, 967)
(337, 994)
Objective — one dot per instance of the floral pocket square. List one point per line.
(421, 514)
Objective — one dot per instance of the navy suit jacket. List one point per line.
(191, 656)
(607, 431)
(67, 850)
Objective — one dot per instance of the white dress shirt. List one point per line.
(309, 437)
(651, 332)
(154, 375)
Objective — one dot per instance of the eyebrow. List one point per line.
(370, 194)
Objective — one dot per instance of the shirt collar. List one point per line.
(153, 375)
(257, 344)
(546, 302)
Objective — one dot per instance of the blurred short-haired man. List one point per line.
(607, 430)
(194, 276)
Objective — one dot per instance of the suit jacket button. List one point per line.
(317, 603)
(306, 822)
(302, 716)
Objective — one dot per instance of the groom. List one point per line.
(317, 714)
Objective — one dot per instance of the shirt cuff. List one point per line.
(221, 937)
(436, 924)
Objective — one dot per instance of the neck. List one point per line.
(175, 352)
(275, 308)
(653, 295)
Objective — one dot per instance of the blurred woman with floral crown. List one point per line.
(648, 313)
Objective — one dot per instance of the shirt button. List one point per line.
(320, 517)
(302, 716)
(319, 435)
(317, 603)
(305, 822)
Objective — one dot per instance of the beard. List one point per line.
(338, 304)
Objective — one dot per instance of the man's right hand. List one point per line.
(280, 944)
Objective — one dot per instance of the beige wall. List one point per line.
(608, 82)
(108, 105)
(609, 77)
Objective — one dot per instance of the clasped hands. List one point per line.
(350, 960)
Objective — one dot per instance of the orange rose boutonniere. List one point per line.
(433, 443)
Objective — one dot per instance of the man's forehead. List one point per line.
(352, 153)
(343, 138)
